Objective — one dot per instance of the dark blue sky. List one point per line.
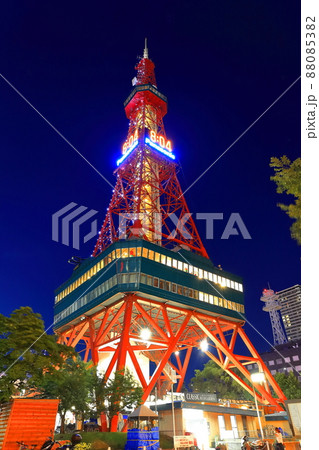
(221, 64)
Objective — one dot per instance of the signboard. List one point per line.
(293, 408)
(183, 441)
(200, 397)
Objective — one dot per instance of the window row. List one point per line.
(133, 278)
(185, 267)
(192, 293)
(154, 256)
(99, 290)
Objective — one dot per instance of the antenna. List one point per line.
(145, 54)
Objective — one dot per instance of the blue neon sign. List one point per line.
(159, 148)
(128, 152)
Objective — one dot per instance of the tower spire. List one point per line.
(145, 54)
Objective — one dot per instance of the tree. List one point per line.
(71, 384)
(212, 378)
(289, 384)
(122, 394)
(288, 180)
(26, 352)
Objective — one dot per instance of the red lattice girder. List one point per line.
(116, 330)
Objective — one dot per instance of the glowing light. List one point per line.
(204, 345)
(158, 148)
(128, 152)
(258, 377)
(145, 334)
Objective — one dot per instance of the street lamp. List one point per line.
(145, 334)
(258, 377)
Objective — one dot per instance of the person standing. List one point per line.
(279, 440)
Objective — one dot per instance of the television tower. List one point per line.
(149, 292)
(272, 305)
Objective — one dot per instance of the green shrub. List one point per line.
(99, 445)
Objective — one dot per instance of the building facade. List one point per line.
(283, 358)
(290, 300)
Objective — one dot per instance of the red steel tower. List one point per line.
(150, 292)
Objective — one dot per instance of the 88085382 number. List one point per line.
(310, 47)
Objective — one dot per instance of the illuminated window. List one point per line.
(169, 261)
(149, 280)
(185, 267)
(145, 252)
(124, 252)
(240, 286)
(143, 278)
(132, 251)
(155, 282)
(174, 263)
(191, 293)
(205, 297)
(163, 259)
(214, 278)
(232, 284)
(191, 269)
(200, 273)
(220, 300)
(125, 278)
(180, 265)
(179, 290)
(151, 254)
(196, 294)
(236, 285)
(219, 279)
(139, 251)
(211, 299)
(196, 271)
(133, 278)
(205, 275)
(102, 263)
(227, 282)
(201, 296)
(173, 287)
(216, 302)
(225, 303)
(210, 276)
(157, 257)
(295, 358)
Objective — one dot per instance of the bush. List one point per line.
(114, 440)
(99, 445)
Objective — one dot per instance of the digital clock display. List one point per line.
(160, 140)
(154, 140)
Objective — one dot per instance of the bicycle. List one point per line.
(23, 446)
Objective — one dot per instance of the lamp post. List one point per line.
(258, 377)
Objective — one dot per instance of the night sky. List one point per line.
(221, 65)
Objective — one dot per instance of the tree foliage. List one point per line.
(289, 384)
(26, 352)
(72, 385)
(122, 394)
(212, 378)
(288, 180)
